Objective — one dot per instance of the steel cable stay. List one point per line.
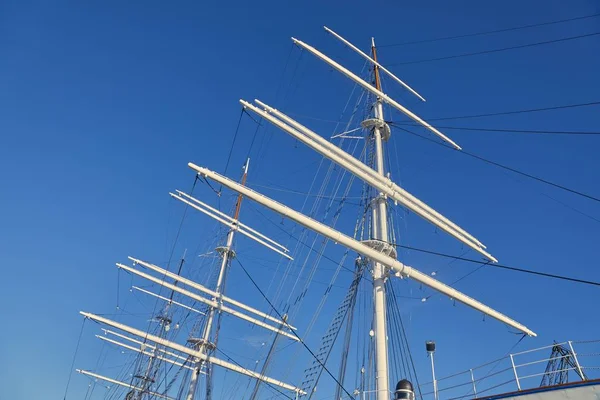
(498, 50)
(514, 170)
(293, 332)
(489, 32)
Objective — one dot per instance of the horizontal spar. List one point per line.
(191, 352)
(170, 301)
(232, 225)
(124, 384)
(151, 347)
(358, 171)
(208, 302)
(359, 247)
(372, 61)
(375, 91)
(206, 290)
(233, 220)
(146, 353)
(367, 170)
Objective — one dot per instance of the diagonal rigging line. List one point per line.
(492, 31)
(516, 171)
(293, 332)
(498, 50)
(561, 107)
(515, 130)
(527, 271)
(271, 386)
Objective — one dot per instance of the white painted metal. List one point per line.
(232, 225)
(512, 362)
(408, 198)
(151, 347)
(354, 169)
(380, 272)
(147, 353)
(211, 303)
(473, 383)
(237, 222)
(218, 299)
(381, 67)
(359, 247)
(576, 360)
(191, 352)
(116, 382)
(375, 91)
(435, 386)
(167, 300)
(206, 290)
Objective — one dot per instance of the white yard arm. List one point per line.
(116, 382)
(359, 247)
(366, 169)
(241, 225)
(232, 225)
(206, 301)
(375, 182)
(375, 91)
(381, 67)
(151, 347)
(191, 352)
(206, 290)
(147, 353)
(168, 300)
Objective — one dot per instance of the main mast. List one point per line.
(379, 232)
(204, 343)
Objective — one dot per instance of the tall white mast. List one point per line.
(204, 344)
(379, 232)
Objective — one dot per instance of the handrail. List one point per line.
(524, 366)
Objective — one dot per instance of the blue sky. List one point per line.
(103, 104)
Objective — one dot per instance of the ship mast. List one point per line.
(204, 344)
(379, 232)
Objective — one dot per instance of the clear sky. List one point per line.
(102, 104)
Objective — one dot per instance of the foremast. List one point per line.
(204, 344)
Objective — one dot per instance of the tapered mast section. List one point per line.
(204, 344)
(379, 233)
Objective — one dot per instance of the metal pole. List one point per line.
(579, 370)
(435, 387)
(512, 361)
(473, 382)
(379, 270)
(211, 316)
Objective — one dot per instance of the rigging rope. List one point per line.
(501, 266)
(74, 356)
(563, 39)
(516, 171)
(492, 31)
(293, 332)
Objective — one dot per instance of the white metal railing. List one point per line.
(517, 371)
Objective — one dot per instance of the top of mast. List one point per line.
(376, 65)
